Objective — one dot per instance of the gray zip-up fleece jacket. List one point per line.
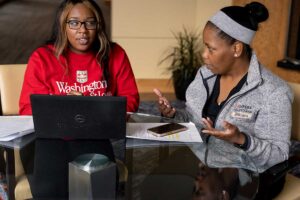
(261, 109)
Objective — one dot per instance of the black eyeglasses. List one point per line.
(75, 24)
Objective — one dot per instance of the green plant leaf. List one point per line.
(185, 57)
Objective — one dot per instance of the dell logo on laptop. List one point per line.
(80, 118)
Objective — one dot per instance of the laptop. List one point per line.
(79, 117)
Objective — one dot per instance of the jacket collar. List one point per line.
(254, 72)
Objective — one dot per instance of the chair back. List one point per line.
(11, 80)
(296, 111)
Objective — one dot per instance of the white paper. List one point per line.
(139, 130)
(12, 127)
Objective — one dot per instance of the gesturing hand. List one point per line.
(231, 133)
(163, 105)
(75, 93)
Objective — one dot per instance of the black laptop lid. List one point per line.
(79, 117)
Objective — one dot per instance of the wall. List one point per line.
(144, 29)
(270, 41)
(207, 8)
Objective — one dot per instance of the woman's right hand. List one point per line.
(164, 106)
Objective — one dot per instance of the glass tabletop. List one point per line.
(175, 172)
(151, 169)
(18, 143)
(164, 170)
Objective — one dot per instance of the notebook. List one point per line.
(79, 117)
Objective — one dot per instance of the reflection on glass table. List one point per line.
(159, 170)
(179, 174)
(180, 171)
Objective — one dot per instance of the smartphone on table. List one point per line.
(167, 129)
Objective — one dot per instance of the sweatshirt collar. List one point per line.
(80, 55)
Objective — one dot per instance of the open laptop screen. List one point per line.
(79, 117)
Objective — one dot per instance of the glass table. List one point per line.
(164, 170)
(174, 170)
(9, 148)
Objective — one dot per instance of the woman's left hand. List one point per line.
(75, 93)
(231, 133)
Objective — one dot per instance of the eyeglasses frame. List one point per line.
(84, 22)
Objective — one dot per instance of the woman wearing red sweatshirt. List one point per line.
(79, 59)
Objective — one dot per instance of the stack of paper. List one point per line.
(12, 127)
(139, 130)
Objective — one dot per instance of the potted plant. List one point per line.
(184, 60)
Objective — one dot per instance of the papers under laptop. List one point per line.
(79, 117)
(12, 127)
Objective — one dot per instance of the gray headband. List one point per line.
(232, 28)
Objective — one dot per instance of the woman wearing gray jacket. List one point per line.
(238, 104)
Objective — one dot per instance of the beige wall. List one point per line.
(271, 40)
(144, 28)
(207, 8)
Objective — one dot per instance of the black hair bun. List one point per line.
(257, 11)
